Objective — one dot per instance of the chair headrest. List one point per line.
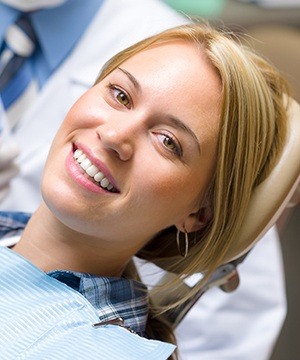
(272, 195)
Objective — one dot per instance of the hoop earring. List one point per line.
(186, 244)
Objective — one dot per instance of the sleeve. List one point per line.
(12, 224)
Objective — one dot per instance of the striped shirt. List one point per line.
(112, 297)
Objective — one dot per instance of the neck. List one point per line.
(50, 245)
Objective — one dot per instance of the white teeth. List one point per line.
(99, 176)
(92, 170)
(86, 164)
(104, 182)
(81, 158)
(77, 153)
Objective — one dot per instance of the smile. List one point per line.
(92, 171)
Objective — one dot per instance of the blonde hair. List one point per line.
(253, 128)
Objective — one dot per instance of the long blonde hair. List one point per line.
(253, 128)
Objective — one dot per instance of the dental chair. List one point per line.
(268, 201)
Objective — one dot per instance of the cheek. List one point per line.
(74, 119)
(182, 191)
(51, 180)
(173, 191)
(55, 167)
(84, 112)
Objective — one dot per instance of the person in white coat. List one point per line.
(220, 326)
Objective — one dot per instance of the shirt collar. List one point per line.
(112, 297)
(56, 41)
(7, 16)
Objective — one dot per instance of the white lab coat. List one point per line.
(241, 325)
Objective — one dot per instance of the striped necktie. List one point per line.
(17, 87)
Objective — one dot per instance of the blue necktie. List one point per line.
(16, 86)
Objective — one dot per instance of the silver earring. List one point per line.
(186, 244)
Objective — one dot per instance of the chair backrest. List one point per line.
(272, 195)
(267, 203)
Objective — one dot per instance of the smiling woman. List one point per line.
(176, 129)
(243, 105)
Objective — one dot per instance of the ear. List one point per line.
(196, 221)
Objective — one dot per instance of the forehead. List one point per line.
(182, 54)
(178, 75)
(176, 62)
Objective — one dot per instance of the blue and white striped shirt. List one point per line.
(112, 297)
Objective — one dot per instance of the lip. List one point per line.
(79, 175)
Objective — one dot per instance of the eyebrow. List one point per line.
(174, 120)
(134, 81)
(177, 122)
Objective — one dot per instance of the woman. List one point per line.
(176, 129)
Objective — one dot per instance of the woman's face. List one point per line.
(149, 130)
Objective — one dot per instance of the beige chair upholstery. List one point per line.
(272, 196)
(267, 203)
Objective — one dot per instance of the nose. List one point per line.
(118, 137)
